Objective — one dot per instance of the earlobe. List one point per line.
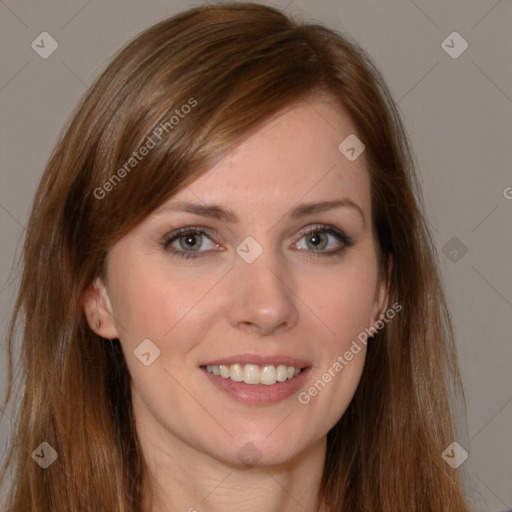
(98, 310)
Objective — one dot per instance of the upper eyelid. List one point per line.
(176, 233)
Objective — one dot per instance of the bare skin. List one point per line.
(292, 300)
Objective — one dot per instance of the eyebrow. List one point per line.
(220, 213)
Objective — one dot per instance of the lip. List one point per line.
(259, 360)
(258, 394)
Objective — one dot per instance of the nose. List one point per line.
(262, 300)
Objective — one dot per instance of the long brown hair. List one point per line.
(235, 65)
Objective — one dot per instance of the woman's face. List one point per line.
(275, 266)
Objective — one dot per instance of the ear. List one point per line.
(98, 310)
(382, 294)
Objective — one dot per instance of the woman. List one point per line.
(229, 294)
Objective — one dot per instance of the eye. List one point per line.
(185, 242)
(324, 240)
(320, 240)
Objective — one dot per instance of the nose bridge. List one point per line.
(262, 296)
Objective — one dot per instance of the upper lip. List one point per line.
(259, 360)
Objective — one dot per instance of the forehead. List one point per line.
(293, 157)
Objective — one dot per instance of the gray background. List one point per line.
(458, 113)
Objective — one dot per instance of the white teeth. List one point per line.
(268, 375)
(282, 373)
(236, 373)
(253, 374)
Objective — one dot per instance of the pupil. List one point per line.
(190, 241)
(316, 240)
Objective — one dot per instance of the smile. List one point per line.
(254, 374)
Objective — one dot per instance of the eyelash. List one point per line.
(342, 237)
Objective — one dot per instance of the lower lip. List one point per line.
(258, 394)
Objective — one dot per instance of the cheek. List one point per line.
(343, 300)
(343, 304)
(140, 294)
(152, 301)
